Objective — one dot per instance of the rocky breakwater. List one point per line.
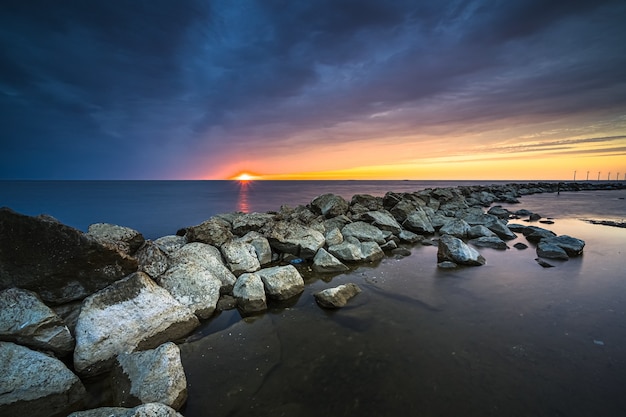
(108, 303)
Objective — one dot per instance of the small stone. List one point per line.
(401, 252)
(520, 246)
(447, 265)
(336, 297)
(544, 263)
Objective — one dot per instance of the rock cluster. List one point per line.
(110, 302)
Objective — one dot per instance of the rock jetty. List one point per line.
(110, 303)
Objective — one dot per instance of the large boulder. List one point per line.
(534, 233)
(214, 231)
(260, 244)
(144, 410)
(171, 243)
(571, 245)
(152, 259)
(455, 250)
(294, 238)
(35, 384)
(282, 282)
(546, 249)
(124, 239)
(26, 320)
(501, 229)
(371, 252)
(208, 257)
(493, 242)
(367, 201)
(382, 220)
(59, 262)
(364, 232)
(240, 257)
(402, 209)
(348, 251)
(147, 313)
(194, 286)
(154, 375)
(325, 262)
(330, 205)
(456, 227)
(250, 294)
(250, 222)
(336, 297)
(417, 221)
(480, 231)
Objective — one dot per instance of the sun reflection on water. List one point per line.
(242, 200)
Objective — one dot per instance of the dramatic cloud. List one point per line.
(192, 89)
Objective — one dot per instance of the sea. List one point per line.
(509, 338)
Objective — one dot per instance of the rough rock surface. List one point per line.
(26, 320)
(152, 259)
(171, 243)
(371, 252)
(250, 293)
(348, 251)
(244, 223)
(493, 242)
(122, 238)
(534, 234)
(382, 220)
(155, 375)
(330, 205)
(336, 297)
(260, 244)
(144, 410)
(36, 385)
(193, 286)
(59, 262)
(456, 227)
(418, 222)
(455, 250)
(333, 236)
(282, 282)
(364, 232)
(295, 239)
(148, 314)
(240, 257)
(572, 246)
(210, 258)
(214, 232)
(549, 250)
(325, 262)
(480, 231)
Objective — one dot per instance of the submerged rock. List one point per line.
(36, 385)
(336, 297)
(455, 250)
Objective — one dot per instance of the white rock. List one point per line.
(282, 282)
(240, 257)
(250, 293)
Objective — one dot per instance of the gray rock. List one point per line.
(499, 211)
(124, 239)
(368, 201)
(403, 209)
(210, 258)
(534, 234)
(250, 222)
(347, 251)
(240, 257)
(152, 260)
(34, 384)
(325, 262)
(501, 230)
(572, 246)
(371, 252)
(456, 227)
(543, 263)
(534, 217)
(26, 320)
(447, 265)
(214, 231)
(389, 246)
(401, 252)
(171, 243)
(455, 250)
(517, 228)
(364, 232)
(336, 297)
(282, 282)
(550, 251)
(148, 314)
(333, 237)
(250, 293)
(194, 286)
(295, 239)
(520, 246)
(144, 410)
(154, 375)
(226, 302)
(382, 220)
(493, 242)
(60, 263)
(418, 221)
(261, 246)
(330, 205)
(479, 231)
(410, 237)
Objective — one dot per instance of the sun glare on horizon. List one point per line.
(245, 177)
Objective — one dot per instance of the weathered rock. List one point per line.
(261, 246)
(382, 220)
(194, 286)
(170, 244)
(26, 320)
(417, 221)
(457, 227)
(209, 257)
(250, 222)
(282, 282)
(124, 239)
(155, 375)
(250, 293)
(240, 257)
(479, 231)
(144, 410)
(295, 239)
(517, 228)
(550, 250)
(520, 246)
(455, 250)
(147, 313)
(368, 201)
(325, 262)
(34, 384)
(336, 297)
(389, 246)
(572, 246)
(333, 237)
(493, 242)
(69, 314)
(401, 252)
(371, 252)
(214, 231)
(226, 302)
(364, 232)
(501, 230)
(348, 251)
(152, 260)
(410, 237)
(330, 205)
(499, 212)
(60, 263)
(534, 234)
(534, 217)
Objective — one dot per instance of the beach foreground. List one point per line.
(240, 370)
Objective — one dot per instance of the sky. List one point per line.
(303, 89)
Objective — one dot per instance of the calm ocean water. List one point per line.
(509, 338)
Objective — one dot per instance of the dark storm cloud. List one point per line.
(106, 89)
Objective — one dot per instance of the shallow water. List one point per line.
(508, 338)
